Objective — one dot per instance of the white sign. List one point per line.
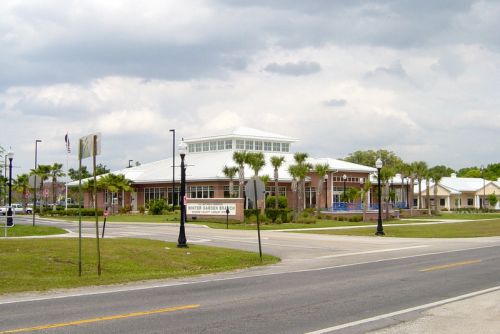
(213, 209)
(87, 146)
(32, 181)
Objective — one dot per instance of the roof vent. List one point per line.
(454, 175)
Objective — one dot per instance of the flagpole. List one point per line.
(67, 170)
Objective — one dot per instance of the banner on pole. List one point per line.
(87, 147)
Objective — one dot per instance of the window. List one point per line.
(442, 202)
(220, 145)
(229, 144)
(258, 145)
(176, 195)
(213, 145)
(191, 148)
(236, 190)
(206, 146)
(285, 147)
(470, 201)
(154, 193)
(267, 146)
(276, 147)
(310, 197)
(240, 144)
(281, 190)
(249, 144)
(201, 191)
(198, 147)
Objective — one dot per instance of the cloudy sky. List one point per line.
(420, 78)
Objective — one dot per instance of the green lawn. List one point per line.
(125, 218)
(42, 264)
(29, 230)
(470, 216)
(454, 230)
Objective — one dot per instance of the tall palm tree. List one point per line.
(420, 173)
(412, 175)
(294, 172)
(22, 184)
(365, 190)
(427, 177)
(277, 162)
(240, 158)
(115, 183)
(437, 173)
(43, 172)
(300, 160)
(321, 170)
(55, 172)
(230, 172)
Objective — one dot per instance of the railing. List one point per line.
(345, 206)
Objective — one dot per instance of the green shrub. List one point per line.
(72, 212)
(250, 212)
(285, 216)
(141, 209)
(274, 214)
(306, 221)
(156, 206)
(126, 209)
(282, 202)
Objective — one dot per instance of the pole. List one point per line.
(257, 213)
(10, 220)
(181, 241)
(35, 185)
(66, 190)
(80, 199)
(104, 223)
(94, 149)
(380, 228)
(227, 217)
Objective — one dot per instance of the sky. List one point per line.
(420, 78)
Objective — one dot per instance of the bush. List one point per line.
(250, 212)
(126, 209)
(285, 216)
(274, 214)
(355, 218)
(157, 206)
(141, 209)
(72, 212)
(306, 221)
(282, 202)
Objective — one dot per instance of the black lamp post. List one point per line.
(182, 242)
(380, 228)
(173, 167)
(326, 191)
(35, 184)
(344, 177)
(10, 220)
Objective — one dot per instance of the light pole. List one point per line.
(10, 221)
(35, 185)
(182, 242)
(380, 228)
(326, 191)
(484, 189)
(173, 167)
(344, 177)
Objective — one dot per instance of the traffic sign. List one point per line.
(260, 186)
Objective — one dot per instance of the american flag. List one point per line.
(66, 139)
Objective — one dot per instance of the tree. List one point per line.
(21, 184)
(101, 169)
(365, 190)
(55, 172)
(115, 183)
(437, 173)
(74, 174)
(277, 162)
(493, 200)
(299, 172)
(43, 172)
(321, 170)
(420, 169)
(230, 172)
(240, 158)
(368, 158)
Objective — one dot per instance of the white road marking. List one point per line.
(165, 285)
(372, 251)
(408, 310)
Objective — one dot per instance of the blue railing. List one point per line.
(345, 206)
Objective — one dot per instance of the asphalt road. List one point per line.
(322, 282)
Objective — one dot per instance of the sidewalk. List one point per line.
(480, 314)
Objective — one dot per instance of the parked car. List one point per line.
(16, 208)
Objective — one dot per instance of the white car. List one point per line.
(16, 208)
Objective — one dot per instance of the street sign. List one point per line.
(87, 146)
(46, 193)
(261, 189)
(32, 181)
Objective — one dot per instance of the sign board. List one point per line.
(261, 189)
(32, 181)
(46, 193)
(87, 147)
(212, 209)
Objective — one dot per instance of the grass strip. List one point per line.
(452, 230)
(50, 263)
(29, 230)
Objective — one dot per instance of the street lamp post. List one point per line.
(10, 221)
(380, 228)
(344, 177)
(173, 167)
(182, 242)
(35, 185)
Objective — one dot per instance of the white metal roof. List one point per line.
(244, 132)
(457, 185)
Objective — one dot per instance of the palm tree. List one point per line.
(437, 173)
(115, 184)
(321, 170)
(412, 175)
(43, 172)
(277, 162)
(365, 190)
(55, 172)
(427, 177)
(240, 158)
(299, 172)
(22, 184)
(230, 172)
(255, 161)
(420, 172)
